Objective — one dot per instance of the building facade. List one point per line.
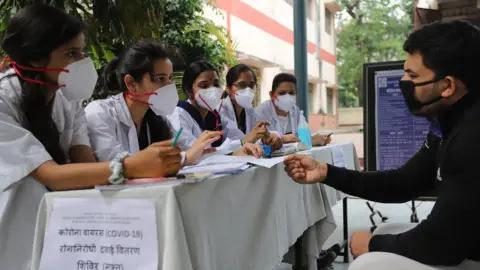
(263, 30)
(428, 11)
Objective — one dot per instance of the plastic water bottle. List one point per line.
(304, 133)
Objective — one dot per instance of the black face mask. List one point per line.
(408, 92)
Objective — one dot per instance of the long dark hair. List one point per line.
(33, 33)
(192, 72)
(137, 60)
(234, 73)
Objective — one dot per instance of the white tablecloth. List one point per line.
(238, 222)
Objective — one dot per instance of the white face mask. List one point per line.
(165, 101)
(209, 98)
(80, 81)
(245, 97)
(285, 102)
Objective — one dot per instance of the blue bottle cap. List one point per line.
(267, 150)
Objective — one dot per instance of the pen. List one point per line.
(329, 135)
(176, 137)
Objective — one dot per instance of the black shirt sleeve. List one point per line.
(411, 180)
(449, 233)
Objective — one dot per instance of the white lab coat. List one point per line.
(20, 154)
(191, 130)
(112, 130)
(227, 112)
(266, 112)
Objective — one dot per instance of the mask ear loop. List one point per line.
(130, 96)
(217, 116)
(16, 67)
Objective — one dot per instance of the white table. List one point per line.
(244, 221)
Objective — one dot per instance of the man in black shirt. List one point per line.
(441, 82)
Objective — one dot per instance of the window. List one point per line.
(311, 95)
(310, 9)
(330, 100)
(328, 21)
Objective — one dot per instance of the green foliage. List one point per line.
(113, 24)
(369, 31)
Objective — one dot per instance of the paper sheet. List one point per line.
(85, 233)
(338, 156)
(218, 160)
(267, 162)
(197, 178)
(286, 149)
(215, 168)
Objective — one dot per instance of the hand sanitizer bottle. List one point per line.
(304, 133)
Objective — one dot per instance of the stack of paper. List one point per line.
(217, 160)
(149, 182)
(223, 168)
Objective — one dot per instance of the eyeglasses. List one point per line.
(243, 85)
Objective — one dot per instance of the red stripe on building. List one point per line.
(261, 21)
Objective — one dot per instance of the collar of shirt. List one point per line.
(452, 116)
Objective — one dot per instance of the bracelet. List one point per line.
(116, 166)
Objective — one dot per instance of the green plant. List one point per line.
(369, 31)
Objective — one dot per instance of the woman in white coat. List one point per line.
(43, 133)
(237, 108)
(136, 117)
(201, 84)
(282, 112)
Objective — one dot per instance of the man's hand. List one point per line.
(305, 170)
(359, 243)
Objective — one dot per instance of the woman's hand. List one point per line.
(250, 149)
(290, 138)
(260, 131)
(198, 148)
(321, 140)
(157, 160)
(274, 141)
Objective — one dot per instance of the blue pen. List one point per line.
(176, 137)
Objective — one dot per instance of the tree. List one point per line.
(113, 24)
(369, 31)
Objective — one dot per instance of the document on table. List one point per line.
(338, 156)
(223, 168)
(217, 160)
(102, 234)
(152, 182)
(228, 146)
(290, 148)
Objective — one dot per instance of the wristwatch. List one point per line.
(116, 166)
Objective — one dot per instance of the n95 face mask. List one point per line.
(285, 102)
(245, 97)
(79, 80)
(209, 98)
(164, 100)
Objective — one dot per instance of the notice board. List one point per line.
(392, 135)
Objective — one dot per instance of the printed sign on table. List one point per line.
(99, 234)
